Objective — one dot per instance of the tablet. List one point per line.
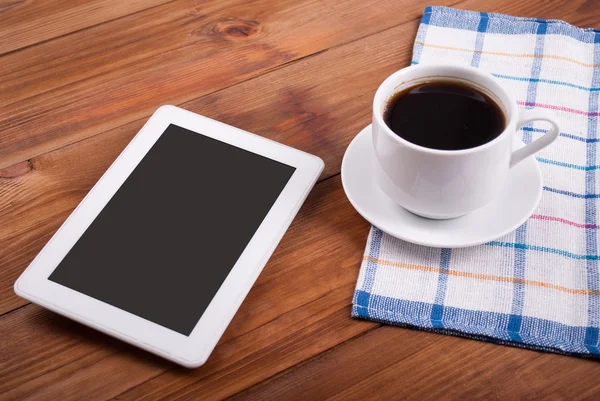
(165, 247)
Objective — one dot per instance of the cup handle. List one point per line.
(527, 116)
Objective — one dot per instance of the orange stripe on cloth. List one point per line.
(460, 49)
(479, 276)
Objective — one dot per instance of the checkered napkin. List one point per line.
(537, 287)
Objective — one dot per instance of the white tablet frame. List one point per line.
(192, 350)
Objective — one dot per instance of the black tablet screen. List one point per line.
(170, 235)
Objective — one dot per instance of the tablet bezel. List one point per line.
(192, 350)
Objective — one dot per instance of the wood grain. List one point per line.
(197, 54)
(122, 43)
(301, 73)
(23, 23)
(396, 363)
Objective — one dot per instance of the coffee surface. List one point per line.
(444, 115)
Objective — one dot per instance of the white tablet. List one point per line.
(166, 246)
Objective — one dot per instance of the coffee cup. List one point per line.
(444, 184)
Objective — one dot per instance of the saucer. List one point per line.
(514, 205)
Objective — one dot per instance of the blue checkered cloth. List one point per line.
(538, 287)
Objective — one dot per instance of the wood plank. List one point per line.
(116, 45)
(297, 105)
(586, 15)
(60, 348)
(198, 54)
(24, 23)
(298, 308)
(395, 363)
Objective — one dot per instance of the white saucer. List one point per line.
(516, 203)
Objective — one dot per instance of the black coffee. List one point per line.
(444, 115)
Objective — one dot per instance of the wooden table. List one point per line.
(78, 78)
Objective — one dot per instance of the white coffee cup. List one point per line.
(444, 184)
